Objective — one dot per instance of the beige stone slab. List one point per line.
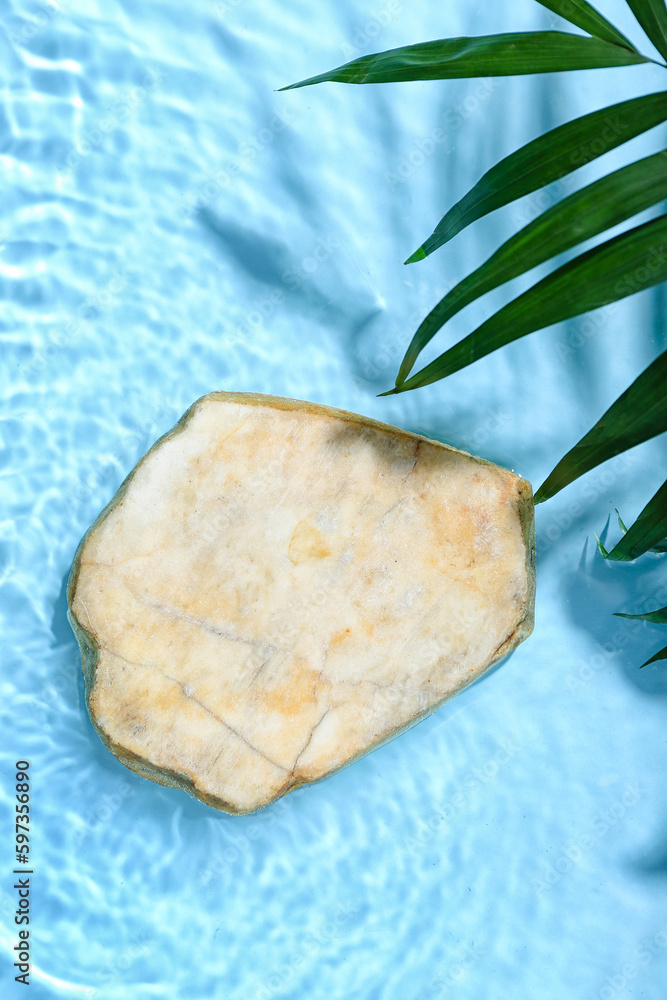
(278, 587)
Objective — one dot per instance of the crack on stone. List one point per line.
(217, 757)
(259, 669)
(310, 739)
(386, 514)
(190, 697)
(505, 642)
(220, 441)
(83, 605)
(404, 689)
(414, 464)
(203, 624)
(122, 562)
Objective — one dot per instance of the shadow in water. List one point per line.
(69, 678)
(263, 259)
(60, 626)
(653, 862)
(162, 802)
(301, 282)
(597, 588)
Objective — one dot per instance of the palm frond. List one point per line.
(511, 54)
(545, 160)
(628, 263)
(639, 414)
(649, 529)
(587, 17)
(658, 617)
(586, 213)
(660, 655)
(652, 15)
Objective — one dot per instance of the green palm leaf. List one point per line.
(649, 529)
(584, 16)
(652, 15)
(636, 416)
(661, 655)
(582, 215)
(656, 617)
(660, 547)
(511, 54)
(626, 264)
(547, 159)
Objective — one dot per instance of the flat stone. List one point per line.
(279, 587)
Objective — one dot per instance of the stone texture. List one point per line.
(279, 587)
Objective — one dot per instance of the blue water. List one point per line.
(173, 225)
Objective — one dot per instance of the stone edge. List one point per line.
(90, 650)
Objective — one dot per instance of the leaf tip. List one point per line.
(419, 254)
(620, 522)
(300, 83)
(601, 549)
(660, 655)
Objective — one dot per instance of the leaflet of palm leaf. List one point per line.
(614, 269)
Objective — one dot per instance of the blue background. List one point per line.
(173, 225)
